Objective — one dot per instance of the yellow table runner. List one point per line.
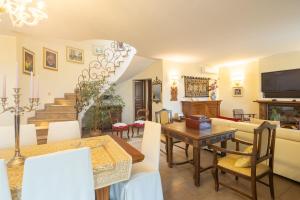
(111, 163)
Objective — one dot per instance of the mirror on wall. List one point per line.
(156, 90)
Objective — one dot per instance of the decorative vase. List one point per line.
(213, 96)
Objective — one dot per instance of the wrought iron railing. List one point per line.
(100, 70)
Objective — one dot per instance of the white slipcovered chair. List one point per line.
(27, 136)
(145, 182)
(65, 175)
(4, 187)
(58, 131)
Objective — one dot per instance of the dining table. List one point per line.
(198, 139)
(112, 159)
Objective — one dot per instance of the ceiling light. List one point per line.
(24, 12)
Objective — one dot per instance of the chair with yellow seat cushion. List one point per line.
(164, 117)
(252, 164)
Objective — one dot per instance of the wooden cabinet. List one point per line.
(207, 108)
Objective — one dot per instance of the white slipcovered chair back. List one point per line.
(27, 135)
(4, 187)
(151, 144)
(65, 175)
(58, 131)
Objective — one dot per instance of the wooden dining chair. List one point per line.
(4, 186)
(117, 126)
(163, 117)
(142, 115)
(240, 115)
(250, 164)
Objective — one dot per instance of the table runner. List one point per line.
(111, 163)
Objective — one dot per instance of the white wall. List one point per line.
(126, 91)
(171, 69)
(251, 79)
(8, 59)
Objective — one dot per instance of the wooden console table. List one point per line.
(207, 108)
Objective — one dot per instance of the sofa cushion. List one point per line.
(244, 126)
(260, 121)
(288, 134)
(221, 122)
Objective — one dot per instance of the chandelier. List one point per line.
(28, 12)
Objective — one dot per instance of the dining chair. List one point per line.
(240, 115)
(163, 117)
(4, 186)
(145, 181)
(27, 135)
(117, 126)
(65, 175)
(142, 115)
(252, 164)
(66, 130)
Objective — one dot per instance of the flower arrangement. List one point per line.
(212, 89)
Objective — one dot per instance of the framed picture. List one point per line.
(28, 61)
(237, 91)
(75, 55)
(50, 59)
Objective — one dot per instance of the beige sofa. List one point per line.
(287, 146)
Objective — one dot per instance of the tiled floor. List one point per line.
(178, 181)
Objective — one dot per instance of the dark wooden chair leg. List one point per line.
(121, 134)
(236, 178)
(216, 178)
(138, 131)
(253, 188)
(271, 185)
(132, 130)
(187, 150)
(128, 133)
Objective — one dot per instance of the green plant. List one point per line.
(103, 104)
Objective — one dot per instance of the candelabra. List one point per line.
(18, 159)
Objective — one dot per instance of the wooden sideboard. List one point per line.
(207, 108)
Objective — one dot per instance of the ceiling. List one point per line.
(200, 31)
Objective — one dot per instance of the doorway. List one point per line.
(143, 96)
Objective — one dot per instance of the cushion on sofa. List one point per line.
(288, 134)
(221, 122)
(244, 126)
(260, 121)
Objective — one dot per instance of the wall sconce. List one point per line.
(174, 88)
(237, 79)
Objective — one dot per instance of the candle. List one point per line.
(4, 87)
(17, 76)
(31, 85)
(36, 94)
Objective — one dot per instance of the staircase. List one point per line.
(61, 110)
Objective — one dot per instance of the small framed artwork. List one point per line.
(28, 61)
(75, 55)
(237, 91)
(50, 59)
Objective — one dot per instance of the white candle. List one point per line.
(17, 76)
(36, 94)
(4, 87)
(31, 85)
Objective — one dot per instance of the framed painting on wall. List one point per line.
(50, 59)
(28, 61)
(75, 55)
(196, 86)
(237, 91)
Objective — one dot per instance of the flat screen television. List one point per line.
(281, 84)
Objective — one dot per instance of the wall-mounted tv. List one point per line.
(281, 84)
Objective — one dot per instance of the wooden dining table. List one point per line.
(198, 139)
(111, 156)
